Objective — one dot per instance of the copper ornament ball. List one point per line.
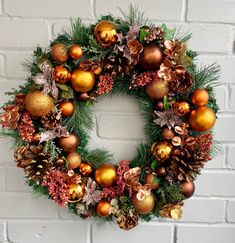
(144, 206)
(159, 106)
(103, 208)
(85, 168)
(75, 52)
(188, 188)
(157, 89)
(200, 97)
(61, 74)
(67, 108)
(69, 144)
(59, 52)
(73, 160)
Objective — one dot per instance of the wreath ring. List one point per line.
(50, 117)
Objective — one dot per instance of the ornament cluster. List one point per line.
(46, 116)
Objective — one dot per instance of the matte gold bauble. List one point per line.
(103, 208)
(153, 181)
(105, 33)
(74, 160)
(181, 107)
(145, 206)
(161, 150)
(188, 188)
(75, 51)
(69, 144)
(105, 175)
(76, 192)
(157, 89)
(85, 168)
(59, 52)
(200, 97)
(67, 108)
(38, 104)
(61, 74)
(202, 119)
(82, 81)
(151, 57)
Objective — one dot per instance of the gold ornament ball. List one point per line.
(76, 192)
(67, 108)
(61, 74)
(182, 107)
(202, 119)
(74, 160)
(145, 206)
(151, 57)
(105, 33)
(153, 181)
(157, 89)
(200, 97)
(103, 208)
(161, 150)
(59, 52)
(105, 175)
(85, 168)
(82, 81)
(188, 188)
(75, 52)
(38, 104)
(68, 144)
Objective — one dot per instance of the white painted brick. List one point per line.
(59, 26)
(2, 179)
(2, 238)
(140, 234)
(48, 232)
(203, 210)
(154, 9)
(231, 156)
(15, 180)
(49, 8)
(23, 205)
(232, 99)
(218, 161)
(7, 157)
(2, 66)
(215, 184)
(219, 10)
(231, 211)
(222, 97)
(31, 33)
(205, 234)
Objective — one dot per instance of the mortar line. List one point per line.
(184, 10)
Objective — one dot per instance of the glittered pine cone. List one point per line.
(128, 220)
(154, 33)
(51, 120)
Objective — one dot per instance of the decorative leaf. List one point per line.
(168, 33)
(143, 34)
(166, 103)
(155, 164)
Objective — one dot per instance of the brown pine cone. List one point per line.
(128, 221)
(182, 83)
(51, 120)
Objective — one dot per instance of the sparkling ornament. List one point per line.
(151, 57)
(74, 160)
(200, 97)
(188, 188)
(181, 108)
(67, 108)
(42, 61)
(85, 168)
(145, 206)
(103, 208)
(157, 89)
(161, 150)
(202, 119)
(167, 133)
(69, 144)
(75, 52)
(105, 175)
(76, 192)
(105, 33)
(38, 104)
(59, 52)
(82, 81)
(61, 74)
(153, 181)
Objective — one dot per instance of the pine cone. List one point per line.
(34, 161)
(51, 120)
(182, 83)
(128, 221)
(155, 33)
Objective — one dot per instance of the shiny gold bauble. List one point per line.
(145, 206)
(200, 97)
(153, 181)
(167, 133)
(202, 119)
(85, 168)
(76, 192)
(59, 52)
(105, 175)
(61, 74)
(74, 160)
(82, 81)
(182, 108)
(105, 33)
(157, 89)
(68, 144)
(151, 57)
(188, 188)
(38, 104)
(161, 150)
(67, 108)
(75, 51)
(103, 208)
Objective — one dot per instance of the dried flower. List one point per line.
(172, 211)
(91, 195)
(10, 117)
(26, 127)
(142, 79)
(105, 84)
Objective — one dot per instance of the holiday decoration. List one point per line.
(50, 117)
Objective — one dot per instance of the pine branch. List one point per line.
(14, 136)
(52, 149)
(143, 152)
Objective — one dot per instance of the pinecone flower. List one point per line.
(142, 79)
(155, 33)
(51, 120)
(128, 221)
(105, 84)
(182, 83)
(26, 127)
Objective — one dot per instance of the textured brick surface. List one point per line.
(231, 211)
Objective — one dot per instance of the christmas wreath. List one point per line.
(50, 117)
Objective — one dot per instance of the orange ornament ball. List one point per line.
(202, 119)
(200, 97)
(74, 160)
(69, 144)
(103, 208)
(75, 52)
(82, 81)
(144, 206)
(59, 52)
(106, 175)
(85, 168)
(61, 74)
(67, 108)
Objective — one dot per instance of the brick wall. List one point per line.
(209, 217)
